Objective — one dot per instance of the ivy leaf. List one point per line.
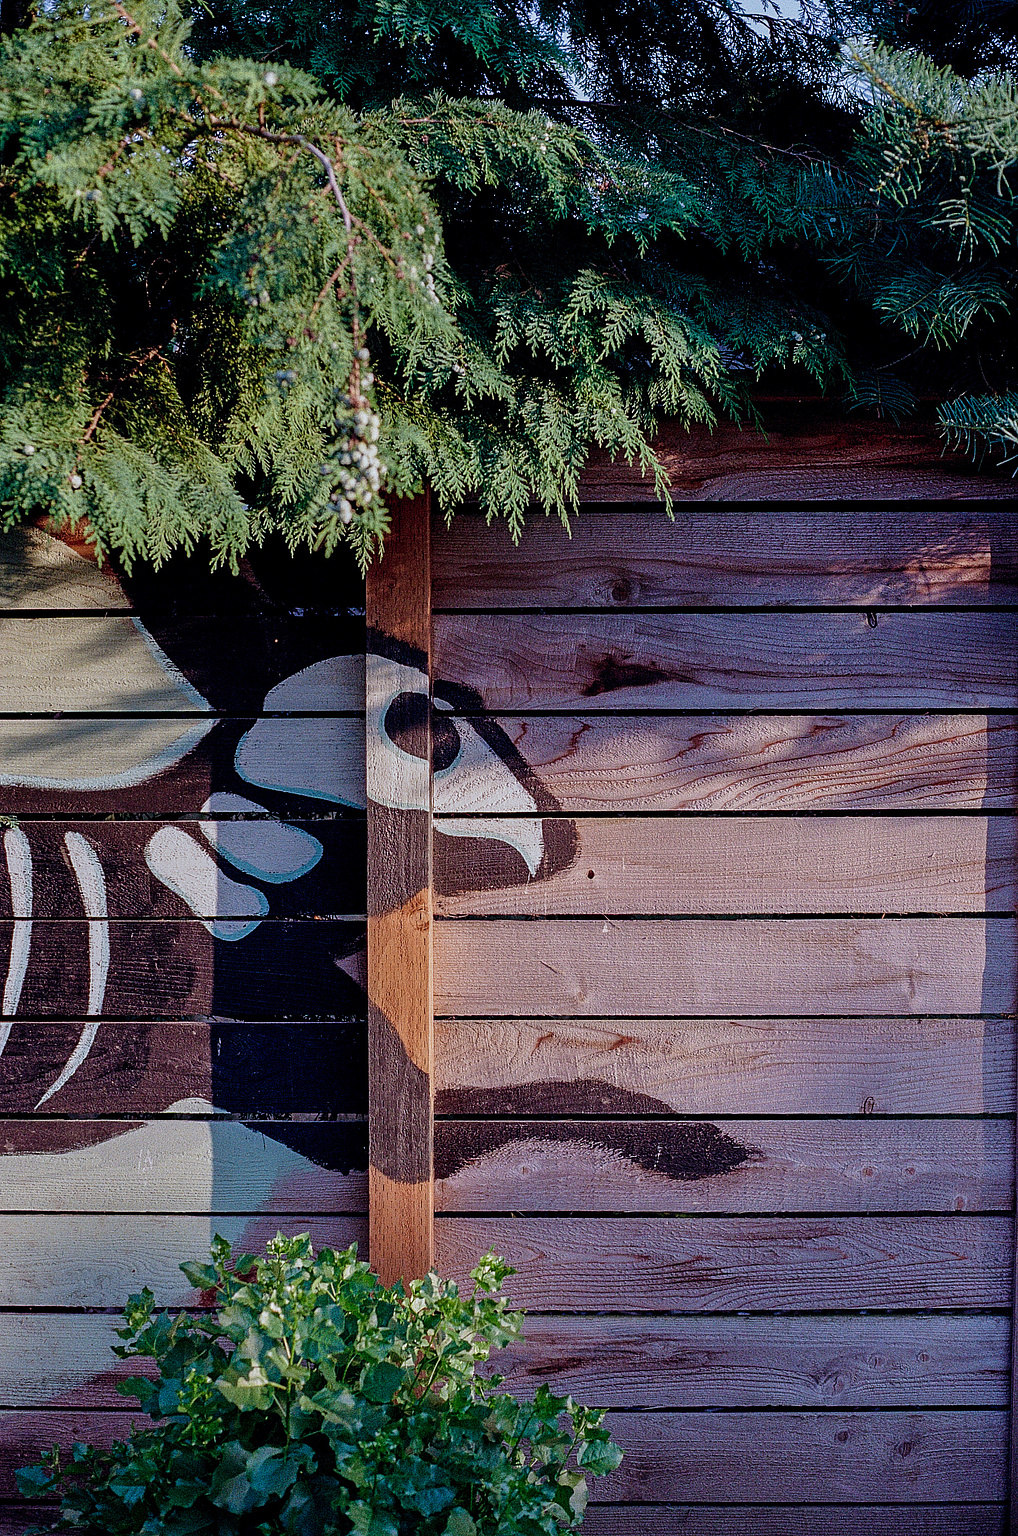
(380, 1381)
(459, 1523)
(365, 1521)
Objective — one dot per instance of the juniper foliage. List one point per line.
(260, 267)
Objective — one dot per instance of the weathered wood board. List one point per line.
(651, 1362)
(605, 968)
(815, 662)
(740, 1264)
(821, 864)
(182, 1165)
(791, 763)
(795, 1520)
(703, 1167)
(741, 1457)
(921, 556)
(760, 1066)
(765, 1362)
(116, 1255)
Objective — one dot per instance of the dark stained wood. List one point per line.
(773, 661)
(303, 868)
(821, 864)
(789, 762)
(649, 1362)
(735, 1264)
(177, 970)
(602, 968)
(142, 1066)
(182, 1166)
(794, 1520)
(703, 1167)
(818, 1066)
(807, 451)
(400, 1013)
(632, 558)
(116, 1255)
(761, 1362)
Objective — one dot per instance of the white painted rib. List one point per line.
(92, 884)
(19, 872)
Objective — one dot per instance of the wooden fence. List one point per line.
(719, 844)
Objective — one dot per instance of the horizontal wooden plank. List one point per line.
(849, 1457)
(739, 1520)
(756, 1362)
(723, 661)
(772, 763)
(229, 871)
(634, 559)
(807, 450)
(756, 865)
(178, 970)
(182, 1165)
(601, 968)
(854, 1457)
(739, 1264)
(697, 1166)
(813, 1066)
(793, 1520)
(38, 571)
(106, 765)
(142, 1067)
(180, 666)
(65, 1359)
(98, 1261)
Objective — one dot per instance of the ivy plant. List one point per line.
(313, 1399)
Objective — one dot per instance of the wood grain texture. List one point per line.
(600, 968)
(114, 1256)
(819, 1066)
(697, 1166)
(775, 763)
(820, 864)
(735, 1264)
(400, 1010)
(794, 1520)
(177, 970)
(816, 661)
(807, 451)
(855, 1457)
(650, 1362)
(634, 559)
(141, 1067)
(850, 1457)
(763, 1362)
(181, 1166)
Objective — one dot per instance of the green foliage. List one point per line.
(315, 1400)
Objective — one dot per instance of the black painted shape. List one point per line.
(615, 672)
(550, 1096)
(401, 1118)
(682, 1150)
(340, 1148)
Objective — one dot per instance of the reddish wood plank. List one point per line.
(735, 1264)
(702, 1167)
(782, 762)
(773, 661)
(400, 1012)
(599, 968)
(726, 1066)
(763, 1362)
(821, 864)
(634, 559)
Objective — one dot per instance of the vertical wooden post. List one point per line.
(400, 1008)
